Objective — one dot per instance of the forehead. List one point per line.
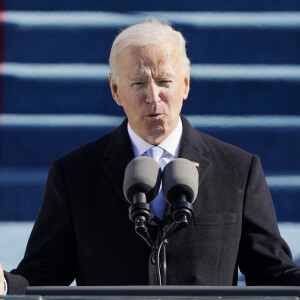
(154, 56)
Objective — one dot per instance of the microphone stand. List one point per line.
(163, 263)
(161, 258)
(182, 212)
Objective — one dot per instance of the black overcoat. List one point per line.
(83, 231)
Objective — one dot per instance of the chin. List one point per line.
(157, 130)
(157, 134)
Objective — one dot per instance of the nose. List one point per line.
(153, 93)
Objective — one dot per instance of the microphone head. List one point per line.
(180, 176)
(142, 175)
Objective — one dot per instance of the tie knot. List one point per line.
(155, 152)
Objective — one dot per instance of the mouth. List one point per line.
(154, 116)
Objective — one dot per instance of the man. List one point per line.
(83, 231)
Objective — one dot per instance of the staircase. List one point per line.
(245, 85)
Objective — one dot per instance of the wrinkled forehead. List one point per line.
(153, 55)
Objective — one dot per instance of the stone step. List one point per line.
(212, 37)
(21, 193)
(28, 140)
(134, 5)
(215, 89)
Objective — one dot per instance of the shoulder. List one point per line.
(222, 148)
(79, 162)
(96, 150)
(230, 157)
(212, 146)
(89, 151)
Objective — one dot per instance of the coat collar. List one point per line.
(120, 153)
(194, 148)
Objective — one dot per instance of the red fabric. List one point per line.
(1, 64)
(1, 54)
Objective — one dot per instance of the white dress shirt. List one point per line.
(171, 144)
(170, 147)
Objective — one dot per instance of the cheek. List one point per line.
(168, 95)
(131, 97)
(136, 96)
(174, 96)
(134, 105)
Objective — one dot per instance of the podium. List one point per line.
(158, 293)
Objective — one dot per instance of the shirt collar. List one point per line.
(171, 144)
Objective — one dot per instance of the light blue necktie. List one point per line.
(159, 203)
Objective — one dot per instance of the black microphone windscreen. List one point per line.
(142, 175)
(180, 176)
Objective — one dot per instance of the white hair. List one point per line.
(147, 33)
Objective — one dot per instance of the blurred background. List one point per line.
(54, 91)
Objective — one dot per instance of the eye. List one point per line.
(138, 84)
(164, 82)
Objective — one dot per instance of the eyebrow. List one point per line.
(137, 77)
(142, 77)
(165, 75)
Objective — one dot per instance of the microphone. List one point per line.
(180, 188)
(141, 185)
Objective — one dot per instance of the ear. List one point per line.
(186, 85)
(114, 89)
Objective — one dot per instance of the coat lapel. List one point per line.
(194, 149)
(120, 153)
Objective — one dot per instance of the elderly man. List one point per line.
(83, 231)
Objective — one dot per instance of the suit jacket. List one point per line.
(83, 230)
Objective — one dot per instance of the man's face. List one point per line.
(151, 88)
